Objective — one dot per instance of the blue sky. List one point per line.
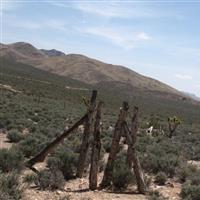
(160, 39)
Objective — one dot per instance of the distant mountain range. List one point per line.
(87, 70)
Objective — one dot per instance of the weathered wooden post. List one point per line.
(95, 149)
(132, 157)
(87, 131)
(107, 178)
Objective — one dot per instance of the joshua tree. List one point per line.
(173, 123)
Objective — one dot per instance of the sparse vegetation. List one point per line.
(122, 176)
(64, 160)
(9, 186)
(14, 136)
(11, 159)
(50, 179)
(161, 178)
(190, 192)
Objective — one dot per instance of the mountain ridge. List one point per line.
(85, 69)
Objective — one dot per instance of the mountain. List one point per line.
(21, 51)
(52, 52)
(88, 70)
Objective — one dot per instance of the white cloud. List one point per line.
(118, 9)
(126, 39)
(105, 10)
(183, 76)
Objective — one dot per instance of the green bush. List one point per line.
(194, 178)
(189, 173)
(30, 178)
(14, 136)
(9, 187)
(64, 160)
(11, 159)
(122, 176)
(161, 178)
(107, 143)
(190, 192)
(160, 157)
(50, 179)
(32, 144)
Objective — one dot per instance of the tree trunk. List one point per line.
(132, 156)
(86, 135)
(95, 150)
(107, 178)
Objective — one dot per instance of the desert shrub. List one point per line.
(162, 157)
(107, 143)
(9, 187)
(194, 177)
(14, 136)
(11, 159)
(32, 144)
(122, 176)
(50, 179)
(189, 173)
(190, 192)
(155, 195)
(185, 171)
(30, 178)
(65, 160)
(161, 178)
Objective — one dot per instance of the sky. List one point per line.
(159, 39)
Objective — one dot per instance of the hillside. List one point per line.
(82, 68)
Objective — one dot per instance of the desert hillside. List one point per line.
(81, 67)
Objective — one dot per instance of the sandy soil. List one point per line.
(4, 143)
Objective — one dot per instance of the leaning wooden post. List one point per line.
(50, 147)
(132, 153)
(86, 135)
(95, 150)
(107, 178)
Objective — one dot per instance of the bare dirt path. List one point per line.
(4, 143)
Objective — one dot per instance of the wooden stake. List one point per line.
(86, 135)
(107, 178)
(132, 155)
(95, 150)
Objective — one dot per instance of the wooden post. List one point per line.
(50, 147)
(86, 135)
(132, 155)
(95, 150)
(107, 178)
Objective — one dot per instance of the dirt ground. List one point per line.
(4, 143)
